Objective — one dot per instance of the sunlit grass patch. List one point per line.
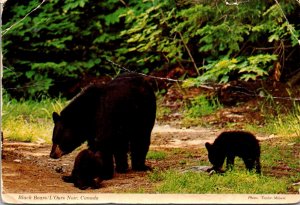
(228, 183)
(156, 155)
(29, 121)
(21, 130)
(282, 124)
(201, 106)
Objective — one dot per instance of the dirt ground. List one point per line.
(30, 162)
(27, 167)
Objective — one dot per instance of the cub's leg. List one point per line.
(258, 166)
(249, 162)
(230, 162)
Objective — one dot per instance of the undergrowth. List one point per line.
(201, 106)
(286, 124)
(29, 121)
(198, 107)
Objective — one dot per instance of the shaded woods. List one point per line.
(62, 45)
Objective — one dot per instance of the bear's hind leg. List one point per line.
(258, 166)
(121, 162)
(120, 153)
(249, 164)
(138, 156)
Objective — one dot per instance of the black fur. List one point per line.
(87, 170)
(114, 118)
(231, 144)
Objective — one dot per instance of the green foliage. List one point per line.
(59, 42)
(222, 42)
(250, 69)
(201, 106)
(63, 41)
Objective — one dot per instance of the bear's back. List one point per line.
(238, 143)
(83, 105)
(129, 92)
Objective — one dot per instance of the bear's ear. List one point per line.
(208, 146)
(55, 117)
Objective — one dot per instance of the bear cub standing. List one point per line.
(231, 144)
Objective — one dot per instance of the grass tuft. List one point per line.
(29, 121)
(156, 155)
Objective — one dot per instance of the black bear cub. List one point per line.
(231, 144)
(86, 171)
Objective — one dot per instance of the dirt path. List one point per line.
(27, 167)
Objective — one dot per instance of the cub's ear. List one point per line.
(55, 117)
(208, 146)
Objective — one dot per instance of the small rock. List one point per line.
(59, 169)
(261, 94)
(17, 160)
(271, 136)
(40, 141)
(185, 138)
(295, 184)
(166, 126)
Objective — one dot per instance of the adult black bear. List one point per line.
(86, 171)
(231, 144)
(114, 118)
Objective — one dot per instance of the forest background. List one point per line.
(63, 43)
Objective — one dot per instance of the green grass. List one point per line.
(156, 155)
(281, 154)
(280, 170)
(280, 119)
(229, 183)
(201, 106)
(29, 121)
(281, 125)
(198, 107)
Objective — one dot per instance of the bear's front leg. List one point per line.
(230, 162)
(68, 179)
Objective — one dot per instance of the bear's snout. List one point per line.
(56, 152)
